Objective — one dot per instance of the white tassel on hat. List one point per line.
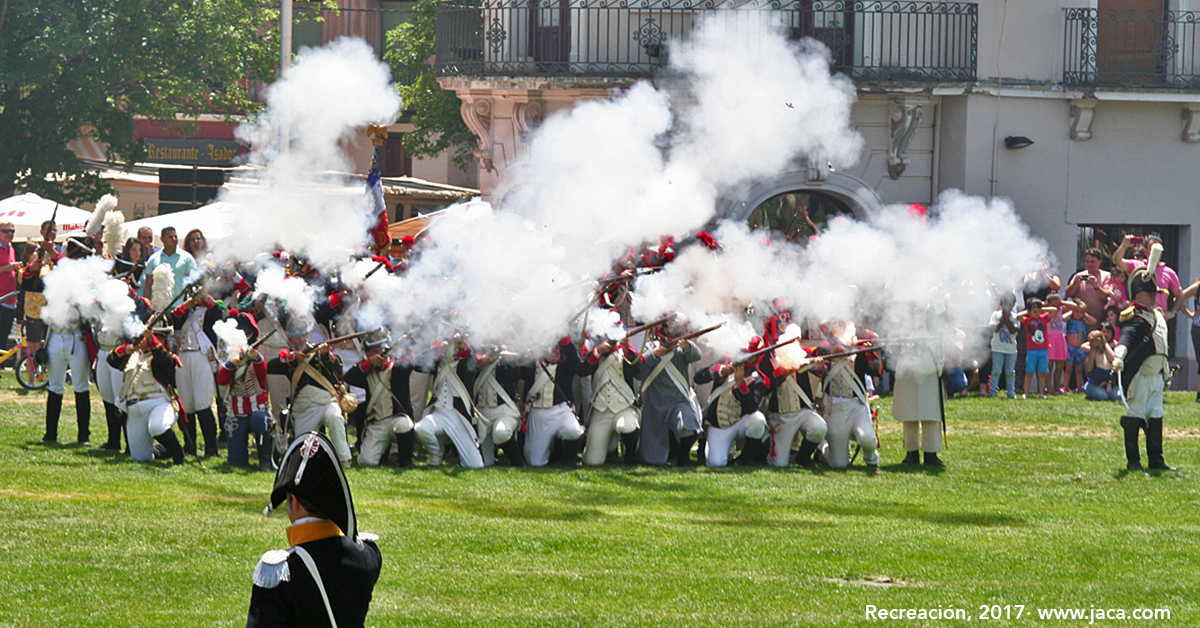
(114, 234)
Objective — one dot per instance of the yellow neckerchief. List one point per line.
(312, 531)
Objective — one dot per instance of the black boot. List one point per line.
(53, 410)
(112, 417)
(1154, 453)
(932, 460)
(188, 426)
(629, 442)
(683, 455)
(208, 427)
(754, 453)
(912, 458)
(805, 455)
(1133, 457)
(404, 448)
(263, 443)
(513, 450)
(569, 452)
(222, 415)
(171, 443)
(83, 417)
(125, 430)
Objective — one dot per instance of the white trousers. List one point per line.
(846, 419)
(784, 428)
(68, 350)
(497, 427)
(108, 379)
(751, 426)
(329, 416)
(377, 438)
(601, 431)
(194, 382)
(147, 418)
(441, 421)
(543, 425)
(1145, 396)
(925, 434)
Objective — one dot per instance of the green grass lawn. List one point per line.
(1033, 509)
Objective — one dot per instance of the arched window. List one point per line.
(798, 214)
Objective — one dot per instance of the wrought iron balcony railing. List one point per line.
(1118, 48)
(869, 41)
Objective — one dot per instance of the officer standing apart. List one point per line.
(328, 574)
(1142, 360)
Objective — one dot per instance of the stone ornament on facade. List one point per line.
(905, 119)
(1082, 112)
(1191, 122)
(818, 169)
(478, 116)
(527, 116)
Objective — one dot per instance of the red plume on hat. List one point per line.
(755, 344)
(407, 241)
(708, 240)
(917, 210)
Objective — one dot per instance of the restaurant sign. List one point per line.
(192, 152)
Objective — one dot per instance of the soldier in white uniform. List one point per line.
(791, 412)
(196, 380)
(387, 405)
(612, 369)
(549, 389)
(1141, 359)
(149, 370)
(732, 413)
(847, 414)
(499, 420)
(313, 371)
(68, 349)
(451, 406)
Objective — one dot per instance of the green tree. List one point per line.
(435, 112)
(96, 65)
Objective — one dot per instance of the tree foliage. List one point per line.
(96, 65)
(435, 111)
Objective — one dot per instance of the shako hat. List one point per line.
(1142, 279)
(310, 470)
(246, 322)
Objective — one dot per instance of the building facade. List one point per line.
(1086, 113)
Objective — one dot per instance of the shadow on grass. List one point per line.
(524, 511)
(892, 510)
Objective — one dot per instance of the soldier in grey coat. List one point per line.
(669, 404)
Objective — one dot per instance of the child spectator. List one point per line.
(1099, 369)
(1078, 321)
(1004, 347)
(1033, 322)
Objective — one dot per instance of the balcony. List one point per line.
(880, 42)
(1132, 50)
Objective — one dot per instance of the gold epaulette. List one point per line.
(1126, 314)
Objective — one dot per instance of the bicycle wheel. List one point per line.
(36, 379)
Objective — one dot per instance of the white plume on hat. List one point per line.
(163, 289)
(114, 233)
(107, 203)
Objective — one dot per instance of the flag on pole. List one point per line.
(379, 231)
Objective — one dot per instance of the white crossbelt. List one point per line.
(312, 569)
(487, 377)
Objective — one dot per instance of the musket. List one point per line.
(696, 334)
(374, 270)
(633, 331)
(646, 270)
(188, 289)
(341, 339)
(750, 357)
(849, 352)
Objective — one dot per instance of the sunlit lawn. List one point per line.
(1033, 509)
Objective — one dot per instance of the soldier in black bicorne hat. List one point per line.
(327, 576)
(1141, 359)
